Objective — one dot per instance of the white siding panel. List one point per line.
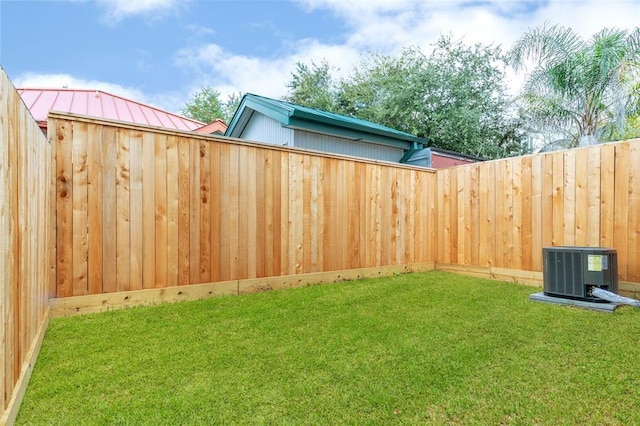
(261, 128)
(325, 143)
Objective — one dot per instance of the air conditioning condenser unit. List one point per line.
(572, 272)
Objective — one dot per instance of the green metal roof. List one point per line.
(315, 120)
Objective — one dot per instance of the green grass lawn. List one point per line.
(431, 348)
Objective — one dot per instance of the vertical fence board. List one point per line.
(594, 195)
(215, 210)
(557, 238)
(225, 216)
(11, 288)
(412, 201)
(320, 208)
(582, 196)
(160, 218)
(462, 211)
(205, 212)
(276, 176)
(400, 218)
(109, 211)
(444, 189)
(79, 201)
(123, 206)
(6, 249)
(244, 213)
(484, 220)
(268, 223)
(51, 204)
(64, 210)
(569, 217)
(136, 210)
(355, 204)
(283, 185)
(537, 220)
(314, 214)
(193, 205)
(607, 195)
(633, 250)
(173, 211)
(251, 212)
(508, 209)
(453, 245)
(378, 212)
(474, 238)
(184, 212)
(233, 211)
(516, 216)
(95, 174)
(432, 219)
(621, 206)
(500, 224)
(305, 214)
(259, 213)
(328, 214)
(548, 200)
(525, 214)
(386, 228)
(148, 224)
(296, 214)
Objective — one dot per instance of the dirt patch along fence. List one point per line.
(501, 213)
(26, 244)
(141, 208)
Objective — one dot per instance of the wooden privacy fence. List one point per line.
(140, 208)
(501, 213)
(26, 244)
(114, 207)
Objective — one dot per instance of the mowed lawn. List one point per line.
(432, 348)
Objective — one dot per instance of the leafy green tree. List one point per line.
(205, 106)
(312, 86)
(456, 97)
(387, 90)
(581, 89)
(231, 105)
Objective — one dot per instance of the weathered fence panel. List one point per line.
(509, 209)
(142, 208)
(26, 244)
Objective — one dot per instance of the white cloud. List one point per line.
(382, 23)
(386, 26)
(116, 10)
(211, 66)
(371, 25)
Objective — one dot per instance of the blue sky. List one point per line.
(161, 51)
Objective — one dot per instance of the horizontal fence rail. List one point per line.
(139, 208)
(26, 244)
(501, 213)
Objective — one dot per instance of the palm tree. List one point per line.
(579, 88)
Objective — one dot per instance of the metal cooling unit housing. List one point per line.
(571, 272)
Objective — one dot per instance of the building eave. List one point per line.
(301, 118)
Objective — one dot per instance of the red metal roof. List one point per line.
(216, 127)
(97, 103)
